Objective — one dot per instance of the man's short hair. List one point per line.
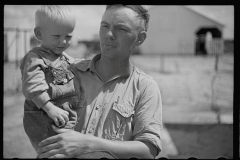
(142, 12)
(54, 13)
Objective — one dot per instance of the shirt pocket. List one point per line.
(36, 125)
(119, 121)
(124, 109)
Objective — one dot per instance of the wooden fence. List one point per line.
(215, 46)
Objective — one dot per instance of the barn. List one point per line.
(181, 30)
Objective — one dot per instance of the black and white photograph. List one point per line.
(119, 81)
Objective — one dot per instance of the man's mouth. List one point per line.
(109, 45)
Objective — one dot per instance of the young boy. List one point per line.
(52, 91)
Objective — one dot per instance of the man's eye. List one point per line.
(104, 26)
(122, 29)
(56, 36)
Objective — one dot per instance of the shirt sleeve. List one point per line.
(34, 85)
(148, 114)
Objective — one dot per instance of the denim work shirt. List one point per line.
(125, 108)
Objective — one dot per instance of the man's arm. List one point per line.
(125, 149)
(72, 143)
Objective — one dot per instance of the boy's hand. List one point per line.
(59, 116)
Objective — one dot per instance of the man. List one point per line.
(123, 107)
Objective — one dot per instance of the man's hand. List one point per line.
(66, 144)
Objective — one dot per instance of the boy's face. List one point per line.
(56, 37)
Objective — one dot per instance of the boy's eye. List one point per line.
(56, 36)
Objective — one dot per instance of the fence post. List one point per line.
(162, 63)
(17, 36)
(218, 48)
(25, 42)
(216, 61)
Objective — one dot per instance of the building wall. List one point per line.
(172, 30)
(16, 45)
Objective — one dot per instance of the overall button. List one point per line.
(65, 80)
(97, 107)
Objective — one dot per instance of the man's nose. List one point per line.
(110, 34)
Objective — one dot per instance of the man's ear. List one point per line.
(141, 38)
(37, 32)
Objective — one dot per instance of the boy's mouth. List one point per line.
(60, 48)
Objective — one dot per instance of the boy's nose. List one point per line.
(63, 41)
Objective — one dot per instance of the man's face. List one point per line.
(56, 37)
(118, 32)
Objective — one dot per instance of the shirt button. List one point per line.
(97, 107)
(90, 131)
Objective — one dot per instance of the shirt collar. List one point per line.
(48, 54)
(91, 65)
(88, 64)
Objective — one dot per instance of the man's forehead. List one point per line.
(120, 15)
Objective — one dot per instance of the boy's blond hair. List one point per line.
(54, 13)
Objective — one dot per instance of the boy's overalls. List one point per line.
(64, 91)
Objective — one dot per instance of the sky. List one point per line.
(89, 17)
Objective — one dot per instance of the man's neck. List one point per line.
(108, 69)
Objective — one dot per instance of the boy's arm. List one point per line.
(34, 85)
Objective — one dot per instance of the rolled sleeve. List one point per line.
(148, 115)
(41, 99)
(34, 85)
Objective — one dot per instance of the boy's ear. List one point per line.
(37, 32)
(141, 38)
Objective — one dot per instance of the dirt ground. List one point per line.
(185, 85)
(15, 141)
(209, 141)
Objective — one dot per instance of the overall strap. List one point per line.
(69, 59)
(39, 52)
